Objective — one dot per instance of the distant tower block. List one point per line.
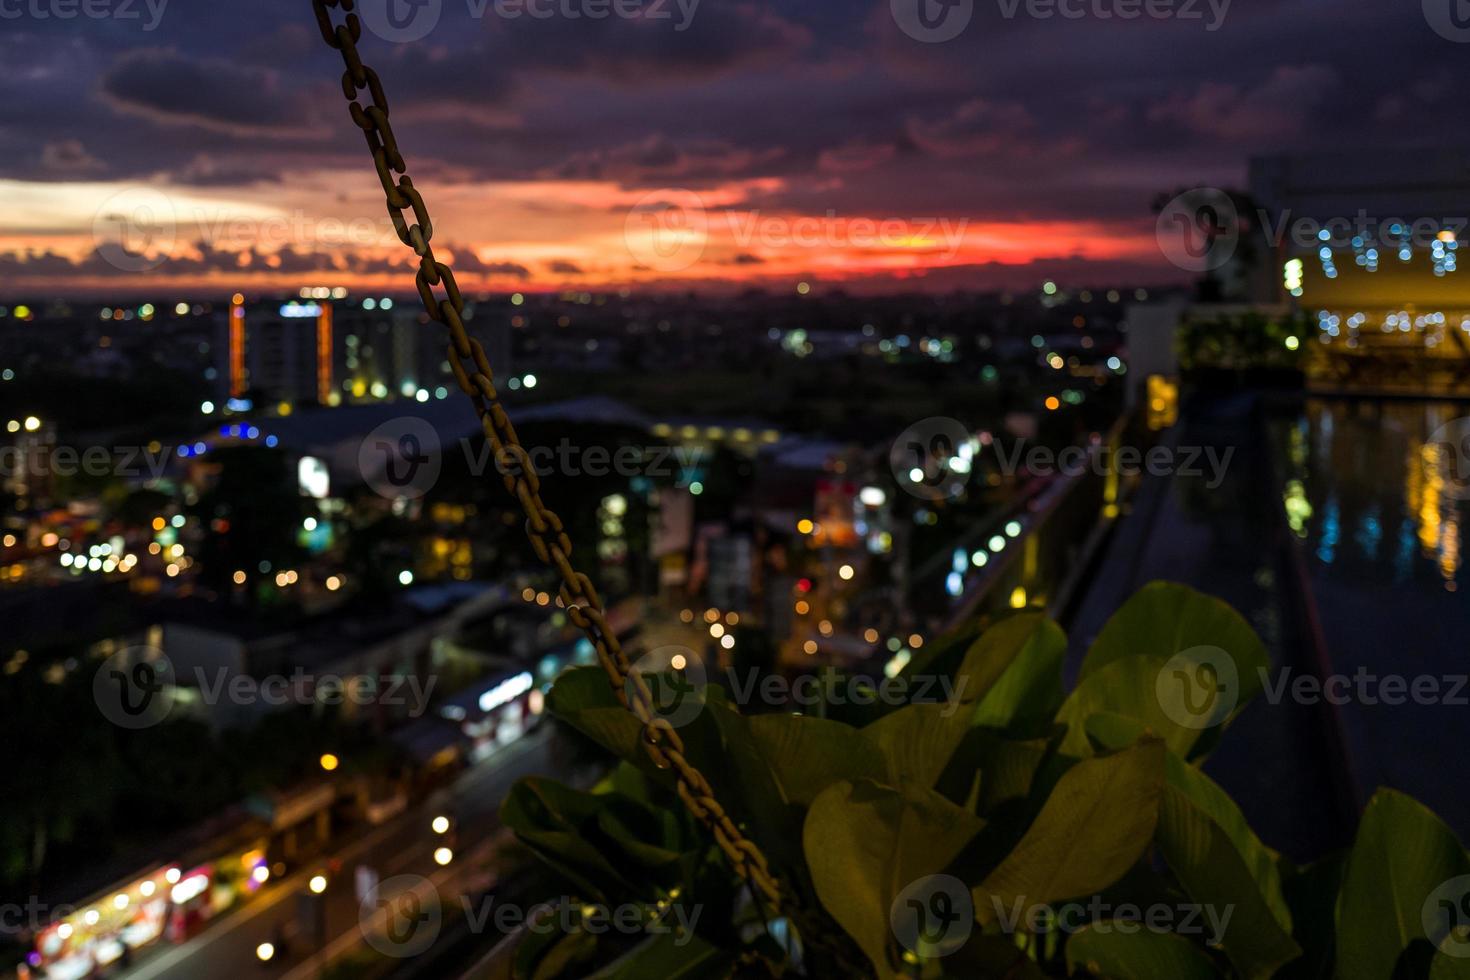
(324, 355)
(237, 346)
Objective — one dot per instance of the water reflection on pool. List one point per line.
(1379, 502)
(1375, 498)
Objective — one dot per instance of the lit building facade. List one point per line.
(1368, 246)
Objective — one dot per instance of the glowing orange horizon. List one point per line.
(550, 236)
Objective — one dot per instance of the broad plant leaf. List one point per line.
(582, 697)
(866, 843)
(1447, 967)
(1221, 863)
(671, 956)
(651, 844)
(720, 742)
(808, 754)
(918, 741)
(1218, 859)
(560, 824)
(1311, 893)
(991, 957)
(990, 769)
(1137, 954)
(1164, 620)
(1029, 692)
(1096, 824)
(1025, 644)
(1127, 688)
(547, 954)
(943, 654)
(1402, 854)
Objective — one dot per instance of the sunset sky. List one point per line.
(811, 140)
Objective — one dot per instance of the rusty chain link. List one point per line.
(544, 528)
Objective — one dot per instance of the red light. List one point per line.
(805, 585)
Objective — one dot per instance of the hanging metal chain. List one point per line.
(544, 528)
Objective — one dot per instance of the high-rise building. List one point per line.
(331, 352)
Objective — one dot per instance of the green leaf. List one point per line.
(546, 954)
(582, 697)
(556, 822)
(1164, 620)
(1402, 854)
(1001, 769)
(1111, 732)
(1122, 689)
(671, 956)
(1009, 659)
(1137, 954)
(943, 654)
(1218, 859)
(1096, 824)
(916, 742)
(809, 754)
(866, 843)
(1311, 893)
(1026, 643)
(1029, 692)
(1127, 688)
(651, 844)
(1447, 967)
(1223, 866)
(992, 957)
(720, 742)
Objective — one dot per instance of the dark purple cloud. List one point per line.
(817, 105)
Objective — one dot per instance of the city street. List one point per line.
(403, 846)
